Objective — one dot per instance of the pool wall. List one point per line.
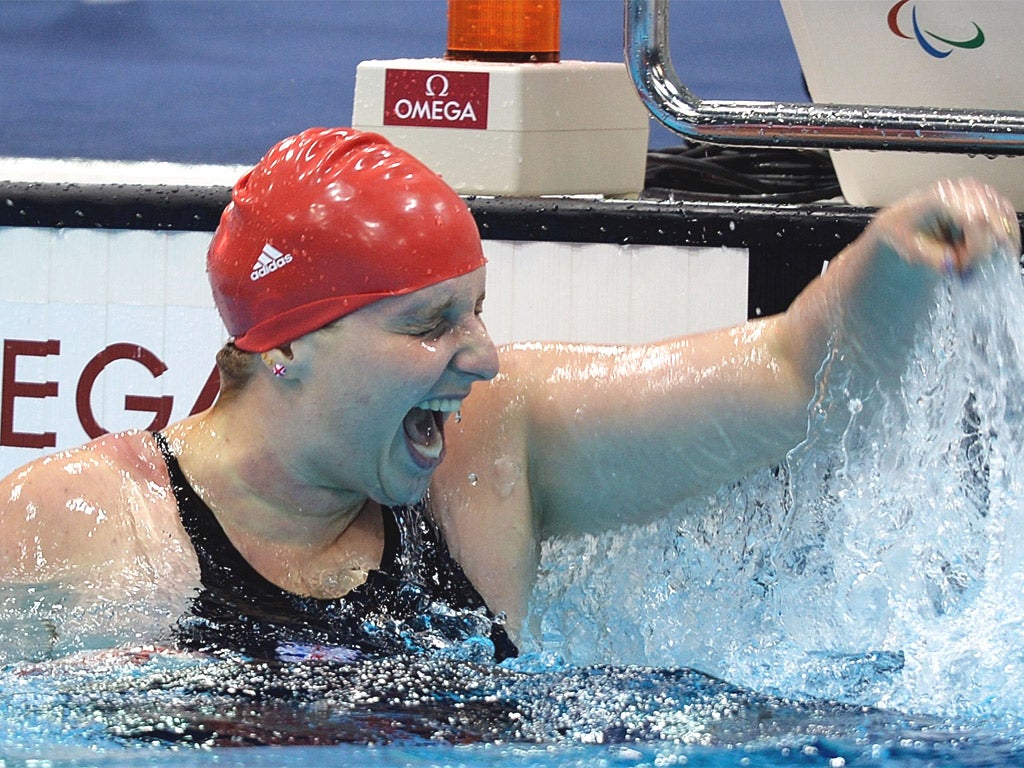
(108, 323)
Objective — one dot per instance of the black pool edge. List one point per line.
(787, 244)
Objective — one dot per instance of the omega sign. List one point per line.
(15, 389)
(423, 98)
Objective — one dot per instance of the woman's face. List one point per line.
(381, 382)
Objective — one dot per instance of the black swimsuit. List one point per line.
(418, 599)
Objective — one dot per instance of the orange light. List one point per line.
(503, 30)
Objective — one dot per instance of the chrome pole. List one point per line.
(786, 124)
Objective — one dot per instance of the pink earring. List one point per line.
(278, 369)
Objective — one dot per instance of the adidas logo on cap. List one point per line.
(270, 260)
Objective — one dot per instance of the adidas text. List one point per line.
(270, 260)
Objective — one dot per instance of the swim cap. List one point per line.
(327, 222)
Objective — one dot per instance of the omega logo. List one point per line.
(430, 90)
(454, 99)
(14, 390)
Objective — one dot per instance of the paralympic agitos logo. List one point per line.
(933, 44)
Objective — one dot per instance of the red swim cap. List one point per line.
(329, 221)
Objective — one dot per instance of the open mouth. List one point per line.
(424, 430)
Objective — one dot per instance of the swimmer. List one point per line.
(375, 470)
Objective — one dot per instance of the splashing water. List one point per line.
(880, 564)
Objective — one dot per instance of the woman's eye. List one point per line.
(431, 331)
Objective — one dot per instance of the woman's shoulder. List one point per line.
(115, 456)
(81, 505)
(98, 475)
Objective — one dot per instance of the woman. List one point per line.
(368, 480)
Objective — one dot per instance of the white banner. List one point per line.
(102, 331)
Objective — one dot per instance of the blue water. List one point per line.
(191, 711)
(861, 604)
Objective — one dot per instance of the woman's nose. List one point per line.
(476, 354)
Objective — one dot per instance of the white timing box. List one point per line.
(565, 128)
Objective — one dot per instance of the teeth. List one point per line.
(444, 406)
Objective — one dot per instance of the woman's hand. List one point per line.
(949, 227)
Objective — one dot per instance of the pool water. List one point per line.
(861, 604)
(157, 708)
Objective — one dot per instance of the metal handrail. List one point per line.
(787, 124)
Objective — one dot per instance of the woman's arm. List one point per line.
(619, 434)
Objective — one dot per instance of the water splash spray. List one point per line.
(881, 563)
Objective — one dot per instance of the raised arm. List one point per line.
(875, 296)
(618, 434)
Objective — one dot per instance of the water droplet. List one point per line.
(473, 479)
(458, 416)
